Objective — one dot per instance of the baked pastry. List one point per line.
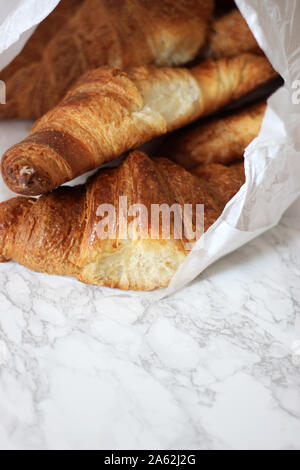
(220, 140)
(59, 232)
(35, 46)
(110, 111)
(119, 33)
(230, 35)
(224, 181)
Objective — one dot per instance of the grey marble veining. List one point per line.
(215, 366)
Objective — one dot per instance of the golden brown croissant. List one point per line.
(110, 112)
(59, 232)
(224, 181)
(221, 140)
(119, 33)
(231, 35)
(34, 48)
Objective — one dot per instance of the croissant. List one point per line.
(119, 33)
(225, 181)
(110, 112)
(230, 35)
(221, 140)
(59, 232)
(34, 48)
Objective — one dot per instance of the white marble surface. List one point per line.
(216, 366)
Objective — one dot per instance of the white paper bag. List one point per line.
(272, 160)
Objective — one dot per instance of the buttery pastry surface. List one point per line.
(221, 140)
(57, 233)
(230, 35)
(110, 111)
(34, 48)
(224, 181)
(119, 33)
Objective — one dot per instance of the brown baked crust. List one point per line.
(34, 48)
(57, 233)
(110, 111)
(221, 140)
(230, 35)
(119, 33)
(224, 181)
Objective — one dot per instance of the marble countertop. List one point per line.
(215, 366)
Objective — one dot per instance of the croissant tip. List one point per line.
(21, 180)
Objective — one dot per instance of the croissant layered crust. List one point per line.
(58, 233)
(110, 111)
(230, 35)
(220, 140)
(35, 46)
(118, 33)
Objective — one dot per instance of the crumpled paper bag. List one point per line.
(272, 160)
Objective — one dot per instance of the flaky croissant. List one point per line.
(119, 33)
(35, 46)
(224, 181)
(230, 35)
(58, 233)
(221, 140)
(110, 112)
